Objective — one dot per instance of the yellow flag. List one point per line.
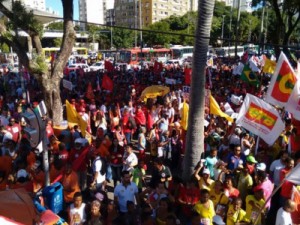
(269, 66)
(215, 109)
(185, 116)
(74, 117)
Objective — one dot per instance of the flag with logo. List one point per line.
(282, 84)
(214, 109)
(260, 118)
(269, 66)
(249, 76)
(74, 118)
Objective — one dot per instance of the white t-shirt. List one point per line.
(283, 217)
(275, 167)
(77, 215)
(97, 165)
(130, 160)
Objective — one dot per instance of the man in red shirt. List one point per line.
(287, 187)
(15, 129)
(79, 159)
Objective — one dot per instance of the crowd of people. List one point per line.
(135, 150)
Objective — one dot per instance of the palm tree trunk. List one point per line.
(195, 133)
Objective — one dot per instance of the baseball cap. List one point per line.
(251, 159)
(22, 173)
(261, 166)
(218, 220)
(206, 171)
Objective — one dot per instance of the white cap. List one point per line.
(218, 220)
(206, 171)
(22, 173)
(261, 166)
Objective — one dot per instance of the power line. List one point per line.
(170, 33)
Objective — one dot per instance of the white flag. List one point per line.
(293, 176)
(260, 118)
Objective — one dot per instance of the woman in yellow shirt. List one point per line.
(235, 213)
(253, 205)
(204, 181)
(219, 198)
(205, 208)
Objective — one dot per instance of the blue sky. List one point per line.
(57, 6)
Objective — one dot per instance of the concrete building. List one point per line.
(128, 14)
(93, 11)
(35, 4)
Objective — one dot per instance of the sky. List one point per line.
(57, 6)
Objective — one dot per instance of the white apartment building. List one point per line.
(35, 4)
(93, 11)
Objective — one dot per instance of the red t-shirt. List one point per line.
(14, 130)
(287, 187)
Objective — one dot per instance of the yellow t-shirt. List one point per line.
(218, 198)
(245, 184)
(206, 214)
(253, 207)
(203, 185)
(235, 216)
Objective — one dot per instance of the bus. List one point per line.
(251, 48)
(184, 52)
(136, 55)
(81, 52)
(229, 51)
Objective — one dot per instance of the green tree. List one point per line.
(57, 42)
(195, 133)
(49, 80)
(287, 17)
(56, 26)
(123, 38)
(153, 38)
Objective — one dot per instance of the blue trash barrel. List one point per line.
(53, 196)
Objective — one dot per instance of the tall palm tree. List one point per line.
(195, 133)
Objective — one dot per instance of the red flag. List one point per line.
(89, 92)
(107, 83)
(187, 75)
(108, 66)
(158, 67)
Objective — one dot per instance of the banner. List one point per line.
(282, 83)
(269, 66)
(260, 118)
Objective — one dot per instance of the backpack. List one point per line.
(131, 123)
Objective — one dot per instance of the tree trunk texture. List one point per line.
(195, 133)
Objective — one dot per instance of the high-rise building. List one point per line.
(127, 12)
(35, 4)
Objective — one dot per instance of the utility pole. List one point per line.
(260, 37)
(250, 31)
(230, 22)
(135, 23)
(141, 22)
(111, 30)
(237, 27)
(222, 30)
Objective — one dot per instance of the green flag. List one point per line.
(248, 76)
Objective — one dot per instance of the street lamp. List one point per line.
(222, 30)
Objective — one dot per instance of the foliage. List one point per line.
(4, 48)
(38, 65)
(55, 26)
(57, 42)
(123, 38)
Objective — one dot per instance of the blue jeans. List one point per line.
(128, 137)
